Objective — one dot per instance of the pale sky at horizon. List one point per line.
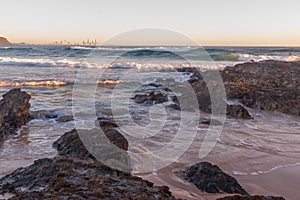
(210, 22)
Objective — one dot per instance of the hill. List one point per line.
(4, 41)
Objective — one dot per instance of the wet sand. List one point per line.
(281, 182)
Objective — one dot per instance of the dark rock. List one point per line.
(14, 112)
(106, 124)
(267, 85)
(43, 114)
(66, 178)
(238, 111)
(174, 106)
(255, 197)
(211, 122)
(70, 144)
(151, 98)
(210, 178)
(200, 87)
(117, 139)
(67, 118)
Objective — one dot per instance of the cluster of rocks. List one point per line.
(266, 85)
(203, 96)
(76, 174)
(14, 112)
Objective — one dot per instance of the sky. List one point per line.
(210, 22)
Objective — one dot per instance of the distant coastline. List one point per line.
(4, 41)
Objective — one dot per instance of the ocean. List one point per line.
(48, 73)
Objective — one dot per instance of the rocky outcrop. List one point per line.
(14, 112)
(255, 197)
(210, 178)
(267, 85)
(4, 41)
(66, 178)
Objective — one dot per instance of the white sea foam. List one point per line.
(246, 57)
(42, 62)
(265, 171)
(82, 48)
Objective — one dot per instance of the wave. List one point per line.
(151, 54)
(247, 57)
(39, 62)
(225, 57)
(45, 83)
(82, 48)
(4, 48)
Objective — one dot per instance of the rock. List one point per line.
(238, 111)
(255, 197)
(200, 87)
(66, 178)
(210, 178)
(66, 118)
(70, 144)
(151, 98)
(211, 122)
(43, 114)
(174, 106)
(14, 112)
(4, 41)
(117, 139)
(267, 85)
(106, 123)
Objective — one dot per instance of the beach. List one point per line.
(261, 153)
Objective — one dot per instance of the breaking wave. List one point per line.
(38, 62)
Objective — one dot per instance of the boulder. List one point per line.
(70, 144)
(14, 112)
(210, 178)
(151, 98)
